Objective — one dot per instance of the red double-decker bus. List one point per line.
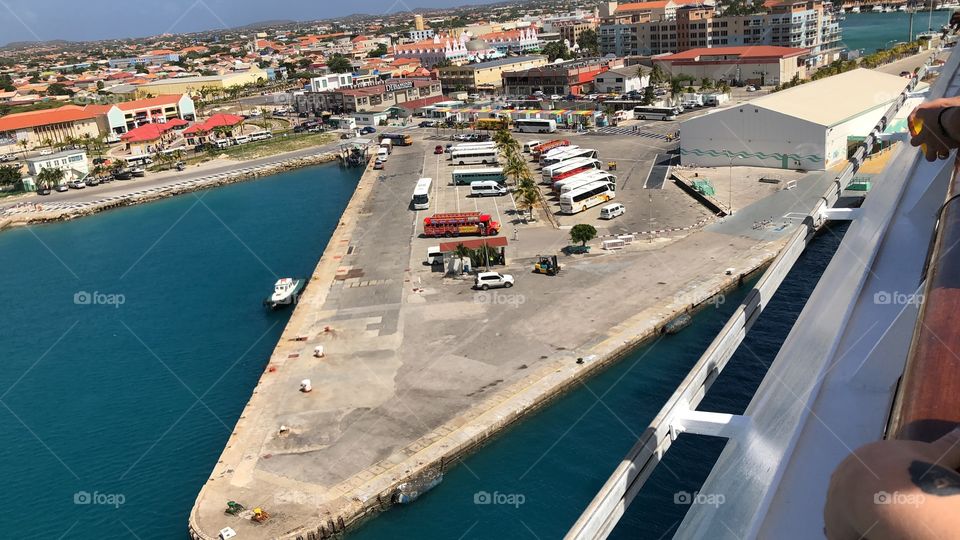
(460, 224)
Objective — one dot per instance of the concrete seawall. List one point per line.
(49, 215)
(470, 429)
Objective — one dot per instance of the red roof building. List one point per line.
(757, 64)
(214, 121)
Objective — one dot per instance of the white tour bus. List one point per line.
(536, 125)
(473, 145)
(587, 196)
(529, 145)
(655, 113)
(587, 178)
(571, 154)
(569, 168)
(474, 156)
(553, 152)
(465, 177)
(421, 194)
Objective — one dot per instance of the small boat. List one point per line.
(855, 9)
(138, 172)
(877, 9)
(408, 492)
(286, 291)
(679, 323)
(902, 8)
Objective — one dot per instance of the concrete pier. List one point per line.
(419, 369)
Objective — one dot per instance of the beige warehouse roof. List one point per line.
(832, 100)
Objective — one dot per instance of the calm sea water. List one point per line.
(872, 31)
(131, 342)
(540, 474)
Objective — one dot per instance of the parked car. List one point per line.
(492, 280)
(379, 164)
(611, 211)
(46, 152)
(43, 191)
(438, 149)
(368, 130)
(7, 157)
(427, 124)
(448, 148)
(92, 182)
(556, 97)
(751, 88)
(61, 188)
(473, 97)
(76, 184)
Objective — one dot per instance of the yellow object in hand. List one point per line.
(916, 126)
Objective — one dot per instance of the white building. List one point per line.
(331, 81)
(804, 127)
(420, 35)
(73, 163)
(621, 80)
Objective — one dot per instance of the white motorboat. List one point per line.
(286, 291)
(855, 9)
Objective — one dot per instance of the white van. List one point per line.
(529, 145)
(382, 154)
(487, 187)
(388, 144)
(611, 211)
(434, 255)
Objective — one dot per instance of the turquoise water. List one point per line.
(545, 470)
(872, 31)
(131, 398)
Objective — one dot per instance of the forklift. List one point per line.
(547, 265)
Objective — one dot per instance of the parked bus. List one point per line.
(542, 148)
(398, 139)
(474, 156)
(460, 224)
(655, 113)
(529, 146)
(574, 182)
(492, 123)
(587, 196)
(473, 145)
(536, 125)
(465, 177)
(421, 194)
(549, 154)
(571, 154)
(570, 167)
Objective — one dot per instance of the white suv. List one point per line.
(488, 280)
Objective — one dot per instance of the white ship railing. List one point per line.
(679, 414)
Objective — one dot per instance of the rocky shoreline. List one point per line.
(39, 215)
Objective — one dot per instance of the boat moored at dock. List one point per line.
(286, 291)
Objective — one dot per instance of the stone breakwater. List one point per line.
(30, 214)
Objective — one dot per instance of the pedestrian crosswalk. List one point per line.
(610, 130)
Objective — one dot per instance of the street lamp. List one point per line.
(730, 184)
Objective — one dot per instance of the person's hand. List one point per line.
(925, 130)
(896, 489)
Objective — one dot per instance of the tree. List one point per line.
(657, 76)
(648, 96)
(528, 198)
(9, 174)
(706, 82)
(100, 85)
(676, 86)
(582, 233)
(50, 177)
(588, 42)
(57, 89)
(378, 52)
(339, 64)
(557, 49)
(142, 69)
(6, 84)
(23, 147)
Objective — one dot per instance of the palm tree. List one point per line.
(221, 131)
(528, 197)
(23, 147)
(516, 168)
(50, 177)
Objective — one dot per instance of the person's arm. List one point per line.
(896, 489)
(935, 125)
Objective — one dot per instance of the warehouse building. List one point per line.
(804, 127)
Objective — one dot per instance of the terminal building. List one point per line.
(486, 76)
(759, 64)
(809, 126)
(374, 98)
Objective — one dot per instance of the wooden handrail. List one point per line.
(927, 405)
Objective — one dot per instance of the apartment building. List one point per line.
(486, 76)
(375, 98)
(565, 78)
(671, 26)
